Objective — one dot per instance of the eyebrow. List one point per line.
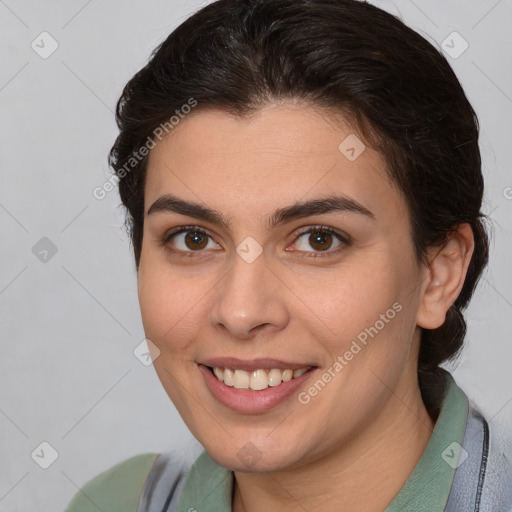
(331, 204)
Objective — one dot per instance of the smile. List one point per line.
(256, 380)
(256, 386)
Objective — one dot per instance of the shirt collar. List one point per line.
(428, 486)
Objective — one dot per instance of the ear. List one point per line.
(444, 277)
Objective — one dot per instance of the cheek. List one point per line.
(368, 302)
(171, 302)
(351, 296)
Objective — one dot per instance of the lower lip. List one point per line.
(248, 401)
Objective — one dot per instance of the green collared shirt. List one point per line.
(208, 487)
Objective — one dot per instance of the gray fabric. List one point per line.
(483, 482)
(497, 491)
(465, 495)
(165, 481)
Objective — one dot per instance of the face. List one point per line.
(247, 267)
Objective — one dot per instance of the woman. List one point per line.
(303, 188)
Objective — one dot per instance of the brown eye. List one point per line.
(188, 239)
(196, 240)
(320, 240)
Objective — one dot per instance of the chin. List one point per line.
(252, 458)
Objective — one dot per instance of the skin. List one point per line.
(359, 439)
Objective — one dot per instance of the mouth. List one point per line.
(256, 380)
(254, 387)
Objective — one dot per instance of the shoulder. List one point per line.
(497, 484)
(118, 489)
(483, 473)
(486, 463)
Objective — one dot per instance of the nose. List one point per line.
(249, 300)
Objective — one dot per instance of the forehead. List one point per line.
(279, 155)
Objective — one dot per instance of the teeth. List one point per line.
(241, 379)
(229, 377)
(287, 375)
(258, 379)
(219, 374)
(274, 377)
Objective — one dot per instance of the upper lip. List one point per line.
(252, 364)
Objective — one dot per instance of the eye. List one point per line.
(321, 239)
(189, 239)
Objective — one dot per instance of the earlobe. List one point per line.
(444, 277)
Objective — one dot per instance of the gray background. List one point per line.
(70, 323)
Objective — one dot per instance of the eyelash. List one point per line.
(345, 240)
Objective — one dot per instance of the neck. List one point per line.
(364, 474)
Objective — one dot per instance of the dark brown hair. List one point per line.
(345, 55)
